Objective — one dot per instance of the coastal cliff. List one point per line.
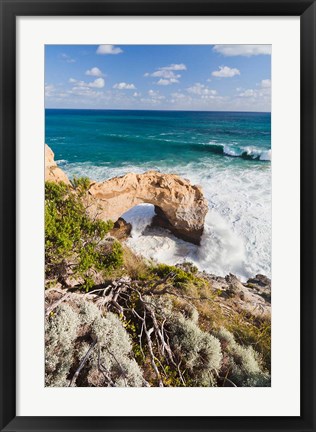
(52, 171)
(180, 206)
(116, 319)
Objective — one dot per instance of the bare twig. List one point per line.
(57, 303)
(103, 370)
(119, 365)
(82, 363)
(224, 379)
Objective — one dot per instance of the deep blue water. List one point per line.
(118, 137)
(227, 153)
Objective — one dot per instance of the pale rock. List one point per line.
(52, 172)
(180, 206)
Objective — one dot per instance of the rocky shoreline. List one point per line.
(116, 319)
(180, 206)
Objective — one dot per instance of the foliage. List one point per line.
(243, 364)
(60, 333)
(81, 184)
(162, 324)
(250, 331)
(199, 351)
(134, 265)
(114, 257)
(181, 278)
(110, 362)
(73, 241)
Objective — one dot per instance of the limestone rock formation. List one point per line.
(121, 229)
(52, 172)
(253, 297)
(180, 206)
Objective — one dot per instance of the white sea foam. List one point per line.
(230, 151)
(61, 161)
(237, 233)
(266, 155)
(234, 150)
(253, 152)
(140, 217)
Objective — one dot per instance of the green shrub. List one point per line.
(181, 278)
(114, 258)
(243, 364)
(60, 334)
(81, 184)
(72, 239)
(249, 330)
(199, 351)
(116, 351)
(70, 332)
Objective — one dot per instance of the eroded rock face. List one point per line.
(251, 297)
(180, 206)
(121, 229)
(52, 172)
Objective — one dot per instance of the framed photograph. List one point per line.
(157, 215)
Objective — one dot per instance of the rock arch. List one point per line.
(180, 206)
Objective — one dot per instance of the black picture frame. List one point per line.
(10, 9)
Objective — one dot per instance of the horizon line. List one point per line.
(155, 110)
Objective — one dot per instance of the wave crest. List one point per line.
(233, 150)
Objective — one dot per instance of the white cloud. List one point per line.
(108, 49)
(226, 72)
(197, 97)
(154, 97)
(136, 94)
(166, 74)
(94, 72)
(178, 96)
(248, 93)
(97, 83)
(266, 83)
(67, 58)
(165, 82)
(49, 90)
(201, 90)
(174, 67)
(263, 91)
(242, 50)
(124, 86)
(84, 91)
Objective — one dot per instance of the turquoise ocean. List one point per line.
(227, 153)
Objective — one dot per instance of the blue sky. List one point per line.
(162, 77)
